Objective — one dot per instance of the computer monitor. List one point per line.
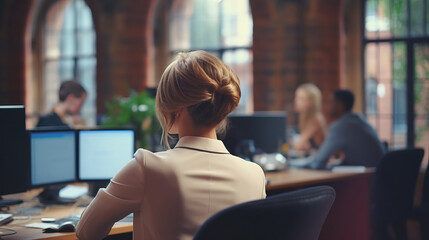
(103, 152)
(14, 160)
(266, 129)
(53, 156)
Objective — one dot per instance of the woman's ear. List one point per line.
(177, 121)
(179, 113)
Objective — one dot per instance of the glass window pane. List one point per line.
(68, 43)
(84, 16)
(237, 26)
(86, 42)
(180, 25)
(205, 25)
(426, 17)
(371, 19)
(51, 85)
(86, 76)
(399, 62)
(371, 61)
(399, 68)
(421, 97)
(69, 20)
(241, 62)
(385, 62)
(66, 69)
(52, 44)
(385, 90)
(398, 18)
(416, 18)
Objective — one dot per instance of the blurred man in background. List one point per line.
(72, 96)
(350, 135)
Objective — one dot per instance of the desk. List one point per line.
(349, 217)
(56, 212)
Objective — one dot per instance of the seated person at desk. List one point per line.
(72, 96)
(350, 135)
(312, 124)
(172, 193)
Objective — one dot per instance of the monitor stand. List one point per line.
(51, 196)
(8, 202)
(93, 187)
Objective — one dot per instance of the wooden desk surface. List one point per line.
(296, 178)
(55, 212)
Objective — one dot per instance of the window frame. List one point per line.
(410, 41)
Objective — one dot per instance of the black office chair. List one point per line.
(297, 215)
(421, 213)
(393, 192)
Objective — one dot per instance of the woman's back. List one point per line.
(197, 179)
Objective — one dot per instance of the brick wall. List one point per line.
(14, 16)
(294, 41)
(124, 46)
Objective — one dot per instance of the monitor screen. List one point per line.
(14, 160)
(266, 129)
(53, 157)
(102, 153)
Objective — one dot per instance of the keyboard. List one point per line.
(8, 202)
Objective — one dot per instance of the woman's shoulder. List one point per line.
(317, 121)
(142, 156)
(244, 164)
(320, 119)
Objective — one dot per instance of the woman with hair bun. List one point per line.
(172, 193)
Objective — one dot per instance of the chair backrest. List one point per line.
(297, 215)
(394, 185)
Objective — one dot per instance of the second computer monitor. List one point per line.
(102, 153)
(53, 156)
(266, 129)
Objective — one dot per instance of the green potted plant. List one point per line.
(137, 111)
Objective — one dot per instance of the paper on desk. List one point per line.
(348, 169)
(41, 225)
(73, 192)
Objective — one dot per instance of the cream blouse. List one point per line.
(172, 193)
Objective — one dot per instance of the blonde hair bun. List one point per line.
(203, 84)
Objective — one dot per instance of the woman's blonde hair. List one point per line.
(201, 83)
(315, 96)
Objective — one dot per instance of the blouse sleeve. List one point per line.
(122, 196)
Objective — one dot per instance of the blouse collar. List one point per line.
(202, 143)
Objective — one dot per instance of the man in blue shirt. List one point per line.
(350, 134)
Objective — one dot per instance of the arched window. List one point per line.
(221, 27)
(69, 53)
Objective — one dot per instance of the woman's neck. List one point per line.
(198, 132)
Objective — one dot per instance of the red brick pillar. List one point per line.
(124, 46)
(294, 42)
(14, 17)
